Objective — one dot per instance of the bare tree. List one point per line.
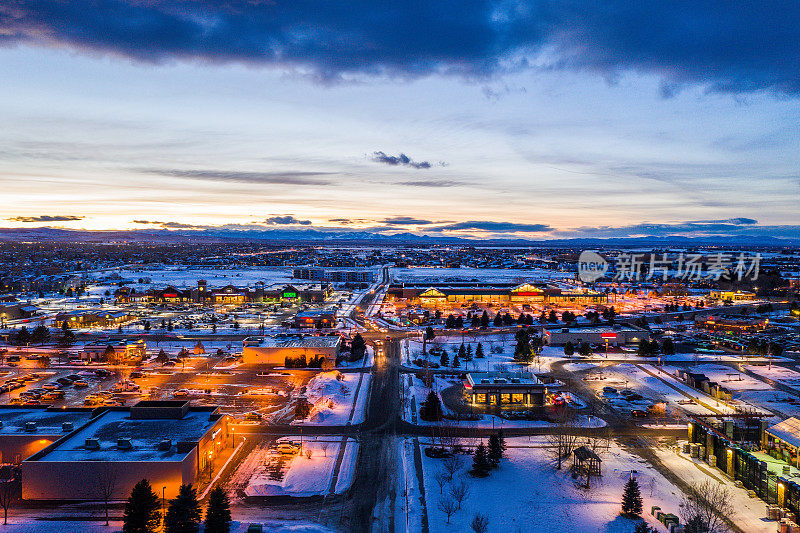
(459, 491)
(324, 448)
(480, 523)
(442, 479)
(105, 484)
(9, 493)
(452, 465)
(710, 502)
(448, 507)
(563, 439)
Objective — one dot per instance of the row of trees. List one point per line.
(183, 514)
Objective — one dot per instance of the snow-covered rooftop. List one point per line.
(145, 435)
(15, 420)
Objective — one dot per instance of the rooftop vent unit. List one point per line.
(164, 445)
(515, 380)
(92, 444)
(30, 427)
(124, 443)
(500, 380)
(485, 381)
(67, 426)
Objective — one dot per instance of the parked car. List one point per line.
(81, 384)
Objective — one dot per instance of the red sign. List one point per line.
(608, 335)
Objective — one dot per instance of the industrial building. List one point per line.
(167, 442)
(273, 350)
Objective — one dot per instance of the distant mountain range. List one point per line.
(312, 236)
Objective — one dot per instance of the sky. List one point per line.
(546, 119)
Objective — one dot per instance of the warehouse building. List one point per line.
(167, 442)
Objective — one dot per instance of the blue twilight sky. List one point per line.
(493, 118)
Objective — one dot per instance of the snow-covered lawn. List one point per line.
(333, 399)
(304, 476)
(527, 493)
(498, 351)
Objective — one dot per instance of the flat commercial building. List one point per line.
(316, 318)
(168, 443)
(449, 294)
(503, 389)
(27, 430)
(273, 350)
(614, 335)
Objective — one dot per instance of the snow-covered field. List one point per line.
(334, 399)
(545, 499)
(307, 476)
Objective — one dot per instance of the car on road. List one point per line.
(252, 416)
(51, 386)
(81, 384)
(180, 393)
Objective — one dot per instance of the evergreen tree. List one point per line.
(456, 361)
(183, 515)
(642, 527)
(450, 322)
(498, 320)
(569, 348)
(695, 525)
(162, 356)
(480, 462)
(358, 346)
(485, 320)
(431, 409)
(495, 452)
(24, 336)
(444, 360)
(462, 351)
(41, 334)
(141, 510)
(459, 322)
(469, 353)
(479, 351)
(218, 515)
(631, 499)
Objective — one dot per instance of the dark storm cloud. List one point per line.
(286, 220)
(498, 227)
(46, 218)
(405, 221)
(729, 47)
(276, 178)
(399, 160)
